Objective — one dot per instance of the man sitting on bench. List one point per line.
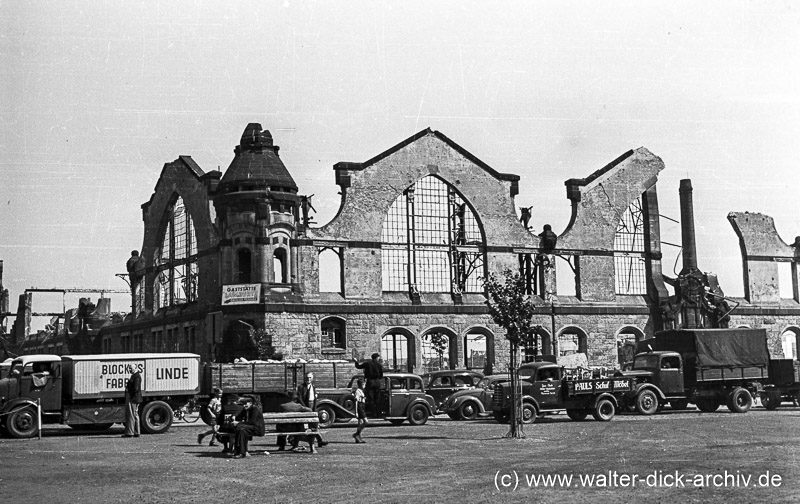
(251, 423)
(294, 406)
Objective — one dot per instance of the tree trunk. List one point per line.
(515, 418)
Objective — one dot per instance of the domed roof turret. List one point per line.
(256, 165)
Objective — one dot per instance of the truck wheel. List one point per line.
(528, 413)
(647, 402)
(707, 405)
(418, 415)
(500, 416)
(603, 410)
(156, 417)
(22, 423)
(771, 399)
(326, 416)
(468, 411)
(679, 404)
(577, 414)
(740, 400)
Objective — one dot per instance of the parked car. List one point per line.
(442, 384)
(471, 403)
(401, 397)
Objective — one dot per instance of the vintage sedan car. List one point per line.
(442, 384)
(471, 403)
(401, 397)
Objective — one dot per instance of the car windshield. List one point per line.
(645, 361)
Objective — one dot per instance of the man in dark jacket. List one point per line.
(133, 397)
(251, 423)
(226, 420)
(373, 372)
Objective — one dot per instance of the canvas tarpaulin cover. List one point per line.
(719, 347)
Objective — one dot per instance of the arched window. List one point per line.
(435, 348)
(789, 340)
(330, 270)
(475, 345)
(431, 241)
(572, 340)
(245, 262)
(176, 259)
(333, 333)
(394, 351)
(626, 344)
(279, 265)
(629, 259)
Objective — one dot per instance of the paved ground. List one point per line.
(443, 461)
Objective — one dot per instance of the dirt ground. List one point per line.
(443, 461)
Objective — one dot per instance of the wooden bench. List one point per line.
(307, 422)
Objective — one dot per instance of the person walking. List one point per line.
(361, 411)
(251, 423)
(209, 415)
(373, 373)
(133, 397)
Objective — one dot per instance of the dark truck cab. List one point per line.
(547, 388)
(707, 367)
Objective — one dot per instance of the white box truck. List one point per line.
(88, 391)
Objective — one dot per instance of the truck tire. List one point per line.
(528, 413)
(678, 404)
(740, 400)
(501, 416)
(327, 416)
(418, 415)
(577, 414)
(22, 423)
(603, 410)
(707, 404)
(647, 402)
(771, 399)
(156, 417)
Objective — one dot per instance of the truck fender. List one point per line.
(16, 404)
(530, 399)
(650, 386)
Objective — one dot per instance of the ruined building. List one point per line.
(230, 267)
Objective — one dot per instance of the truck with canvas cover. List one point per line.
(88, 391)
(707, 367)
(548, 388)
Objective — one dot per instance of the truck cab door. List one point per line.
(547, 387)
(42, 382)
(671, 375)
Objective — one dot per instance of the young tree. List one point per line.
(512, 309)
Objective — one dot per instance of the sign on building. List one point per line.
(241, 294)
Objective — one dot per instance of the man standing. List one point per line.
(307, 392)
(251, 423)
(133, 397)
(373, 372)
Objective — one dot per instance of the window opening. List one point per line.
(333, 333)
(245, 260)
(435, 352)
(176, 260)
(475, 351)
(629, 260)
(431, 241)
(394, 351)
(279, 265)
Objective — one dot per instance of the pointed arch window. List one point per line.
(630, 268)
(176, 259)
(431, 241)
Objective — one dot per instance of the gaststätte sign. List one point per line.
(241, 294)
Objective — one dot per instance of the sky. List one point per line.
(95, 97)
